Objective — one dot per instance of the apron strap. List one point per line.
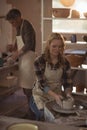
(21, 27)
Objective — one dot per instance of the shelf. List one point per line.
(50, 23)
(69, 42)
(53, 18)
(80, 68)
(78, 42)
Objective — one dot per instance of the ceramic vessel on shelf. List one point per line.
(85, 14)
(75, 14)
(75, 60)
(61, 12)
(67, 2)
(73, 38)
(85, 38)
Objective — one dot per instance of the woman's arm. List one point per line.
(56, 97)
(39, 66)
(67, 79)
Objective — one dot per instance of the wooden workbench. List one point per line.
(7, 121)
(8, 85)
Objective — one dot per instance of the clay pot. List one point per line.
(75, 14)
(67, 2)
(75, 60)
(61, 12)
(85, 38)
(85, 14)
(68, 103)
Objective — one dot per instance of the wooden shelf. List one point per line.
(79, 68)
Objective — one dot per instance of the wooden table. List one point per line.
(7, 121)
(8, 86)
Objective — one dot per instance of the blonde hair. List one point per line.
(50, 39)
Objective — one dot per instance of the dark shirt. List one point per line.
(28, 36)
(40, 64)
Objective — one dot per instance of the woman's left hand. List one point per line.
(70, 96)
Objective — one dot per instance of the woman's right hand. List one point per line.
(59, 99)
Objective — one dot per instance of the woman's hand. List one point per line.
(70, 96)
(59, 99)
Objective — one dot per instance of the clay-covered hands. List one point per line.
(59, 99)
(17, 54)
(70, 96)
(68, 102)
(10, 60)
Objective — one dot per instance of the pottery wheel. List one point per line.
(57, 108)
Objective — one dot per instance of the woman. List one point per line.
(52, 72)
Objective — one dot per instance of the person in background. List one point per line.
(52, 72)
(24, 50)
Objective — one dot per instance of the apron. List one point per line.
(20, 42)
(53, 79)
(26, 65)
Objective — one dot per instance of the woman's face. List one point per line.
(56, 47)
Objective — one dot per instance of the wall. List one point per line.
(5, 28)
